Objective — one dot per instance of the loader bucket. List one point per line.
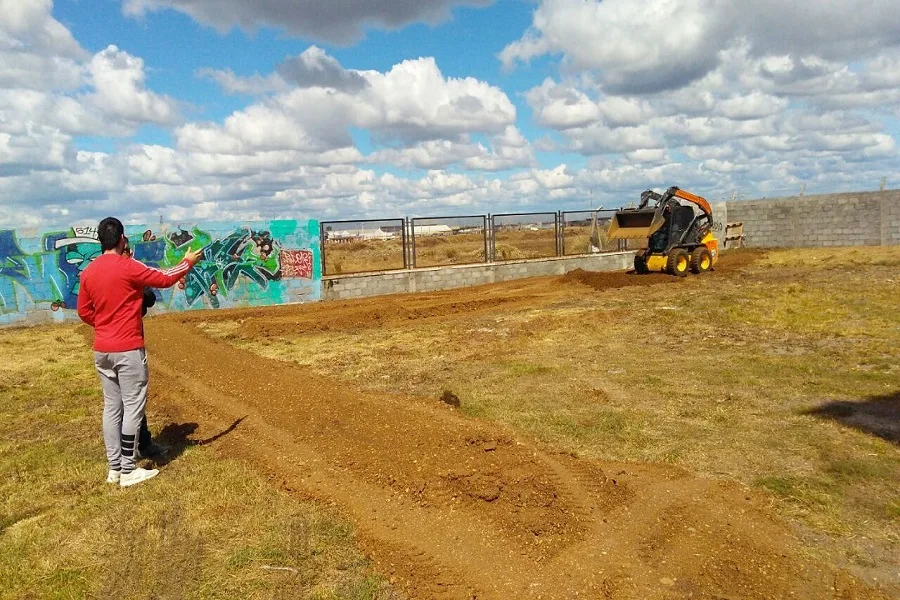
(633, 223)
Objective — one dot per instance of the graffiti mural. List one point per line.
(241, 257)
(242, 264)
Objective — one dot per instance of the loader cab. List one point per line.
(677, 220)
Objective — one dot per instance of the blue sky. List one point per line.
(175, 47)
(229, 109)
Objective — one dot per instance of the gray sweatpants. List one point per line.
(124, 377)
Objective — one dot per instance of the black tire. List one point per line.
(678, 263)
(701, 260)
(640, 265)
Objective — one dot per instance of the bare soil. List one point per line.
(454, 507)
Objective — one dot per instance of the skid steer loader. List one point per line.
(678, 235)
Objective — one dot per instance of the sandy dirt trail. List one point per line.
(453, 507)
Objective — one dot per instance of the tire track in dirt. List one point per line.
(453, 507)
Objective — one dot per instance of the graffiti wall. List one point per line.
(243, 264)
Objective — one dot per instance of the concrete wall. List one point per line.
(441, 278)
(244, 264)
(720, 220)
(851, 219)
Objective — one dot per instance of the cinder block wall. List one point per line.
(442, 278)
(850, 219)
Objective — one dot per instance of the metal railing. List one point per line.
(516, 236)
(584, 232)
(373, 245)
(444, 241)
(363, 246)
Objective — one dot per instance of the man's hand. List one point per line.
(193, 256)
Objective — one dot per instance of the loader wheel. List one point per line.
(640, 265)
(678, 263)
(701, 260)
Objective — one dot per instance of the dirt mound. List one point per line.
(733, 261)
(452, 507)
(603, 280)
(730, 263)
(294, 320)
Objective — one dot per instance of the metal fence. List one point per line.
(443, 241)
(363, 246)
(524, 235)
(370, 245)
(584, 232)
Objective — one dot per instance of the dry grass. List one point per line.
(439, 250)
(717, 375)
(360, 256)
(516, 244)
(202, 529)
(578, 240)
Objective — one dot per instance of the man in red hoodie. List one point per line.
(110, 300)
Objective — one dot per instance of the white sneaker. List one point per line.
(113, 477)
(137, 476)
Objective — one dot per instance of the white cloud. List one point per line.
(562, 107)
(339, 21)
(411, 102)
(510, 150)
(648, 155)
(29, 24)
(431, 154)
(639, 46)
(550, 179)
(35, 147)
(52, 89)
(315, 68)
(254, 85)
(599, 139)
(118, 79)
(772, 107)
(755, 105)
(414, 99)
(36, 51)
(643, 47)
(312, 68)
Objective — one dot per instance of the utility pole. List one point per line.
(883, 182)
(803, 189)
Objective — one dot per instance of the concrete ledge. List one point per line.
(429, 279)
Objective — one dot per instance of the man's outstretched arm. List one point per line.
(146, 276)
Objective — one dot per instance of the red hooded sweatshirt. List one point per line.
(111, 296)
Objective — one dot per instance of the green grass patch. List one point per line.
(518, 369)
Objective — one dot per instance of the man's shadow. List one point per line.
(176, 437)
(878, 415)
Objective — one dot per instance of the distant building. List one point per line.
(360, 234)
(433, 230)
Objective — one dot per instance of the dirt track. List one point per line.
(452, 507)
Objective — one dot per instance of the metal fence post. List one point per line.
(560, 232)
(403, 225)
(412, 237)
(322, 246)
(489, 238)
